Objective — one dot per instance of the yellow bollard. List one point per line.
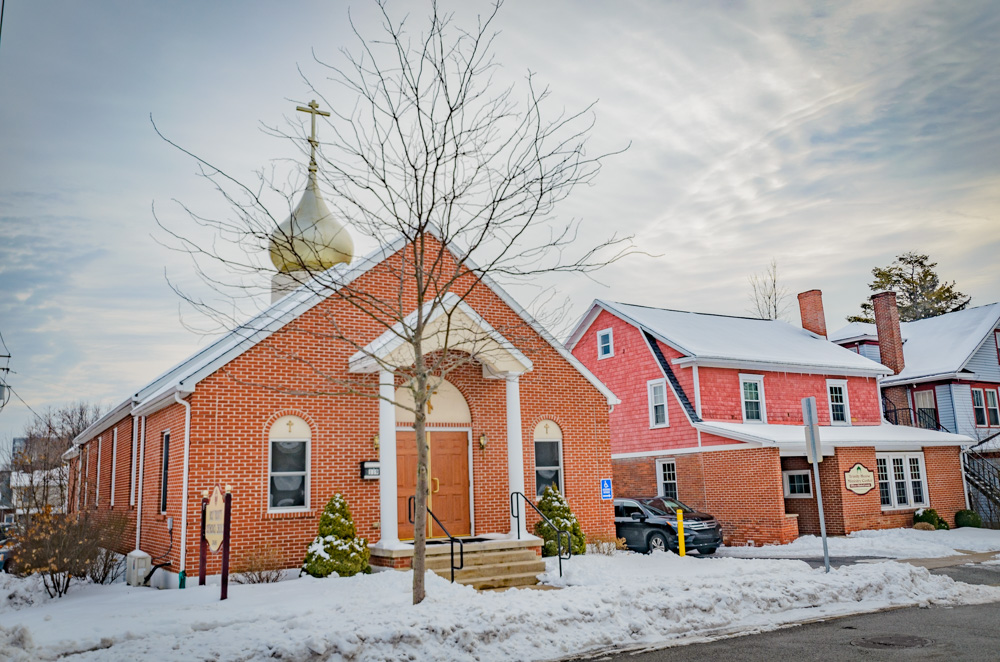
(680, 531)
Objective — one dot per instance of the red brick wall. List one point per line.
(231, 417)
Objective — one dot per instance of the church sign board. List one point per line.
(216, 527)
(859, 479)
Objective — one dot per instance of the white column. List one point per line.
(387, 460)
(515, 451)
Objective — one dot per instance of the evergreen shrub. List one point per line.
(554, 506)
(928, 515)
(968, 518)
(337, 547)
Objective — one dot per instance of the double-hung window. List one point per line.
(666, 478)
(798, 484)
(979, 407)
(288, 464)
(165, 470)
(992, 411)
(902, 480)
(752, 398)
(840, 408)
(548, 457)
(657, 392)
(923, 402)
(605, 344)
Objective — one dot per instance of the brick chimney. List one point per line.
(811, 311)
(890, 339)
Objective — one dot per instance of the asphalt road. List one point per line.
(957, 634)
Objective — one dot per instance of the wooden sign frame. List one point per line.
(226, 535)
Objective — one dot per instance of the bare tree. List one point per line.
(452, 176)
(768, 299)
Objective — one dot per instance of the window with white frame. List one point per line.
(548, 457)
(605, 344)
(992, 411)
(752, 398)
(840, 408)
(979, 407)
(657, 393)
(165, 469)
(288, 464)
(798, 484)
(666, 478)
(902, 480)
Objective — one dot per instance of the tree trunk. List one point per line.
(420, 505)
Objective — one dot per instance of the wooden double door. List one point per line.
(449, 481)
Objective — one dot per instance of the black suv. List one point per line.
(651, 523)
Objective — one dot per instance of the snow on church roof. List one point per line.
(183, 377)
(709, 338)
(939, 345)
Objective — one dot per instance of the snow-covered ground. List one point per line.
(624, 600)
(889, 543)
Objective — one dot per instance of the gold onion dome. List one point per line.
(311, 238)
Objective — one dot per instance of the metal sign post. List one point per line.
(814, 453)
(216, 528)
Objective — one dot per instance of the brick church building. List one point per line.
(261, 410)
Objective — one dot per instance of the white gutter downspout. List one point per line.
(184, 488)
(142, 476)
(697, 397)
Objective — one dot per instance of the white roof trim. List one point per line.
(792, 437)
(777, 366)
(103, 423)
(367, 359)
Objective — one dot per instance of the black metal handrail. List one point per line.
(515, 512)
(411, 507)
(983, 474)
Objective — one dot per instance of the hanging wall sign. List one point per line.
(859, 479)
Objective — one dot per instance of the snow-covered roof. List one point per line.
(791, 438)
(183, 377)
(739, 341)
(936, 346)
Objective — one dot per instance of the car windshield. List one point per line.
(663, 506)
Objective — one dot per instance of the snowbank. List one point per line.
(626, 599)
(888, 543)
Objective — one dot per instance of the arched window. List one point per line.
(548, 457)
(288, 464)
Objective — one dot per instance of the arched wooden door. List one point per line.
(449, 481)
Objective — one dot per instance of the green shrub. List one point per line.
(554, 506)
(337, 548)
(968, 518)
(941, 524)
(928, 515)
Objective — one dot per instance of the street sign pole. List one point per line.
(814, 453)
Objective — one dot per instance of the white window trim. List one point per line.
(267, 487)
(97, 480)
(650, 385)
(913, 505)
(759, 380)
(164, 464)
(847, 401)
(114, 463)
(611, 343)
(995, 407)
(986, 415)
(561, 468)
(659, 476)
(788, 489)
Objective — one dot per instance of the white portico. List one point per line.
(457, 327)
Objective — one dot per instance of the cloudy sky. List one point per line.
(828, 136)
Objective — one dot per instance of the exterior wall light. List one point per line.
(482, 441)
(375, 443)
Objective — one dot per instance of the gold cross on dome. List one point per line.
(313, 110)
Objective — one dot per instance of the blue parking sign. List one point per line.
(606, 488)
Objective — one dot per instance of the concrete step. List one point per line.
(506, 581)
(475, 572)
(443, 561)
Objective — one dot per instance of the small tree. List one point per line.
(553, 505)
(337, 548)
(768, 299)
(58, 548)
(919, 291)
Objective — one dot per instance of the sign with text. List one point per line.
(215, 520)
(371, 470)
(606, 489)
(859, 479)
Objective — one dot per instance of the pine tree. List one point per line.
(919, 291)
(554, 506)
(337, 547)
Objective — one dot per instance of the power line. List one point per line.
(22, 401)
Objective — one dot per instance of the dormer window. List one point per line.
(840, 409)
(605, 344)
(752, 398)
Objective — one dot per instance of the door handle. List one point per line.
(437, 486)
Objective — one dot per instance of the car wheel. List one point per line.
(657, 542)
(707, 551)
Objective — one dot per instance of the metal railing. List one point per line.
(983, 475)
(515, 512)
(924, 418)
(452, 540)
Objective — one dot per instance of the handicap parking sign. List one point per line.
(605, 488)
